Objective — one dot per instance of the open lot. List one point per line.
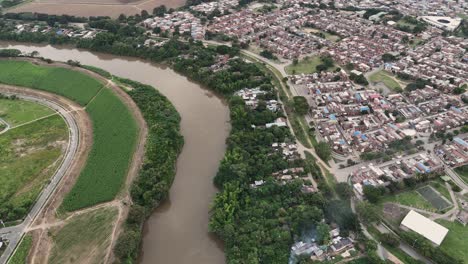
(433, 197)
(17, 112)
(386, 79)
(86, 8)
(84, 238)
(455, 243)
(29, 155)
(307, 65)
(410, 198)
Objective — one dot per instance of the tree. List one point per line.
(323, 233)
(344, 190)
(373, 194)
(323, 151)
(390, 240)
(368, 213)
(300, 105)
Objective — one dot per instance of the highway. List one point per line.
(15, 233)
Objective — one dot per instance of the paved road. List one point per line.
(15, 233)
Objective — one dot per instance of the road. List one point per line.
(15, 233)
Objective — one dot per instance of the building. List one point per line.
(425, 227)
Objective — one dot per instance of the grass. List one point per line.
(27, 161)
(84, 238)
(72, 84)
(456, 242)
(22, 252)
(16, 112)
(441, 188)
(463, 172)
(383, 77)
(114, 129)
(307, 65)
(409, 198)
(99, 71)
(115, 132)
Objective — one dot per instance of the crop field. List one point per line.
(17, 112)
(433, 197)
(28, 156)
(84, 238)
(115, 132)
(114, 129)
(74, 85)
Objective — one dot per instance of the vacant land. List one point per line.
(22, 252)
(455, 243)
(329, 36)
(386, 79)
(74, 85)
(114, 128)
(463, 172)
(17, 112)
(86, 8)
(84, 238)
(115, 133)
(410, 198)
(307, 65)
(29, 155)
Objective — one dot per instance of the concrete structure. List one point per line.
(425, 227)
(445, 23)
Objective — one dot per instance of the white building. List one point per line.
(425, 227)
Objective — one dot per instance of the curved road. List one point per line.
(15, 233)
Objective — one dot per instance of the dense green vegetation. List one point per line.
(463, 172)
(27, 156)
(114, 133)
(22, 251)
(71, 84)
(157, 173)
(114, 129)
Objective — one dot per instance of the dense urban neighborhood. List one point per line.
(346, 133)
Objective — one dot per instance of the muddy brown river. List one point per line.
(177, 232)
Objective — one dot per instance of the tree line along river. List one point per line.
(177, 232)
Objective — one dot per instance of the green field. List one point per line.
(17, 112)
(410, 198)
(307, 65)
(386, 79)
(84, 238)
(28, 156)
(115, 132)
(71, 84)
(114, 129)
(456, 242)
(463, 172)
(22, 252)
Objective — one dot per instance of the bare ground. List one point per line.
(86, 8)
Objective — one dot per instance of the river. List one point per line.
(177, 232)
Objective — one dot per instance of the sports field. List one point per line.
(386, 79)
(29, 155)
(433, 197)
(114, 128)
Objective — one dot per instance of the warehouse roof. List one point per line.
(425, 227)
